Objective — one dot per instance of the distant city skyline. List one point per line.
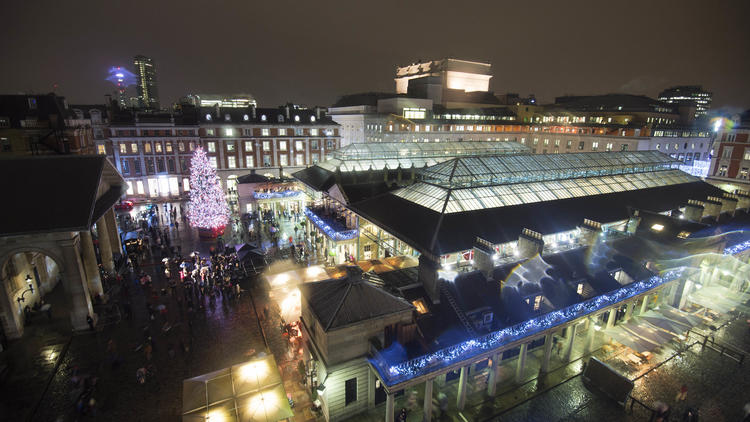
(322, 53)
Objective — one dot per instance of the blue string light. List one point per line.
(741, 247)
(393, 374)
(273, 195)
(330, 232)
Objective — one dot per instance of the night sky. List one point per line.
(312, 52)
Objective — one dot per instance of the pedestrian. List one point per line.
(402, 415)
(90, 322)
(682, 394)
(559, 347)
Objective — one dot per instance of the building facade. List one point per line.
(153, 150)
(690, 96)
(730, 167)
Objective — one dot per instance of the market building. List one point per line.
(517, 252)
(39, 248)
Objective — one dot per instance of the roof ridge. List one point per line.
(338, 308)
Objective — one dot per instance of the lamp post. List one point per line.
(30, 283)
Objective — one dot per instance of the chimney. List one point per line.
(712, 207)
(530, 243)
(427, 275)
(317, 113)
(253, 110)
(693, 210)
(217, 111)
(287, 111)
(590, 230)
(483, 253)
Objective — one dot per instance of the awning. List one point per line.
(720, 299)
(645, 330)
(664, 323)
(636, 343)
(678, 315)
(248, 392)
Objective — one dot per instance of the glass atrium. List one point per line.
(391, 155)
(474, 183)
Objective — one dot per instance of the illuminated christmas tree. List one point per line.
(207, 209)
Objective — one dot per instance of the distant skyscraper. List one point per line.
(148, 92)
(688, 95)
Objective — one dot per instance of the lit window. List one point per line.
(312, 119)
(594, 146)
(282, 131)
(181, 146)
(419, 304)
(147, 147)
(101, 149)
(658, 146)
(265, 132)
(123, 148)
(249, 161)
(683, 234)
(300, 160)
(210, 132)
(248, 146)
(299, 145)
(212, 160)
(282, 145)
(232, 162)
(266, 145)
(230, 146)
(284, 160)
(657, 227)
(169, 147)
(296, 118)
(245, 117)
(537, 302)
(211, 146)
(134, 148)
(157, 147)
(208, 117)
(579, 289)
(229, 131)
(185, 184)
(313, 132)
(262, 117)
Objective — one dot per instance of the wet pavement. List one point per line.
(38, 384)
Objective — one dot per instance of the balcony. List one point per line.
(332, 223)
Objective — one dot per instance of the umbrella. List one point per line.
(268, 405)
(679, 316)
(374, 265)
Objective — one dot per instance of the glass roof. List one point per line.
(496, 170)
(379, 155)
(443, 199)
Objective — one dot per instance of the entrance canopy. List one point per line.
(249, 392)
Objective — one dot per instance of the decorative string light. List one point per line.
(208, 206)
(330, 232)
(741, 247)
(272, 195)
(395, 373)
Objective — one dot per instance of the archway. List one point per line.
(29, 272)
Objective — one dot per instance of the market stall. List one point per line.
(248, 392)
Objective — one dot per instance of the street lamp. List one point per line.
(30, 289)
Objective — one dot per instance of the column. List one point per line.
(389, 410)
(492, 380)
(114, 235)
(105, 245)
(548, 341)
(644, 305)
(590, 336)
(629, 311)
(461, 401)
(571, 338)
(79, 304)
(521, 364)
(427, 400)
(611, 318)
(89, 262)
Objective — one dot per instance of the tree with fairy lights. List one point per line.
(207, 209)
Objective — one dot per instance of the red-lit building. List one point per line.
(730, 165)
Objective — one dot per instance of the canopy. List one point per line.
(636, 343)
(643, 329)
(677, 315)
(401, 262)
(250, 391)
(664, 323)
(720, 299)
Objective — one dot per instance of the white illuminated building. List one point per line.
(221, 100)
(464, 75)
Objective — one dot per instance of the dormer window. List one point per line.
(245, 117)
(296, 118)
(262, 117)
(208, 117)
(281, 118)
(312, 119)
(227, 118)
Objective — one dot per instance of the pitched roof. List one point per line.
(341, 302)
(56, 193)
